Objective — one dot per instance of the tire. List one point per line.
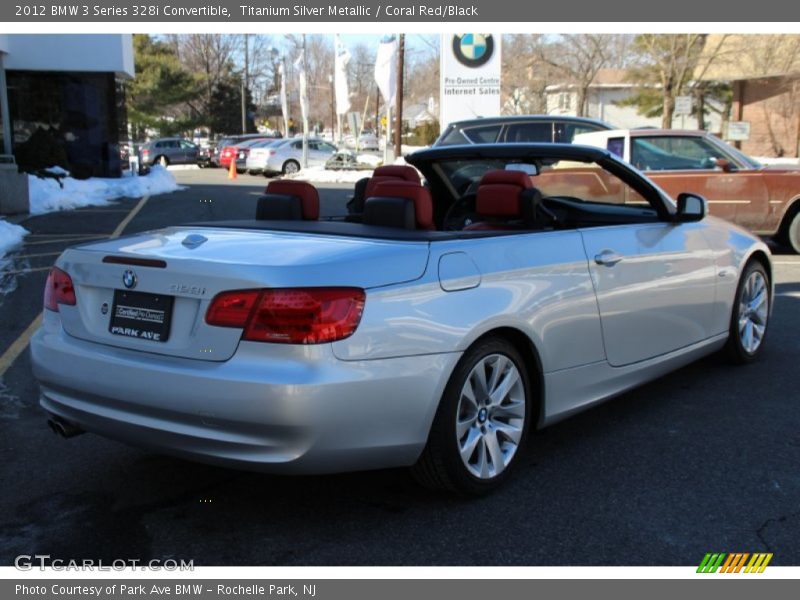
(791, 236)
(750, 315)
(492, 435)
(290, 167)
(161, 160)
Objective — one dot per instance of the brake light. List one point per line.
(273, 152)
(290, 316)
(145, 153)
(58, 290)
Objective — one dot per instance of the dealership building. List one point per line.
(68, 89)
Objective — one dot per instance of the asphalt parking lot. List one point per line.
(703, 460)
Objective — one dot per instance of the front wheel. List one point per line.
(750, 314)
(481, 424)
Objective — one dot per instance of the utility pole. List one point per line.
(398, 130)
(245, 83)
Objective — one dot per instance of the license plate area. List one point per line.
(140, 315)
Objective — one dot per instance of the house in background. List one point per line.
(68, 87)
(765, 73)
(610, 87)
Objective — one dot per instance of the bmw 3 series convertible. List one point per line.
(466, 300)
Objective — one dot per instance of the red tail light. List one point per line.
(290, 316)
(58, 290)
(145, 153)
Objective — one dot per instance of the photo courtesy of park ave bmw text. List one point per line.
(354, 299)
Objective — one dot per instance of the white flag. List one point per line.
(300, 65)
(284, 101)
(386, 69)
(340, 77)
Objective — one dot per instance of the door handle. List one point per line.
(608, 258)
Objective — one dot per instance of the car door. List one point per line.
(189, 151)
(681, 163)
(654, 279)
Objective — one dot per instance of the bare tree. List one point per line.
(211, 57)
(579, 57)
(525, 75)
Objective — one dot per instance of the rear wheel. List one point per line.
(290, 167)
(161, 160)
(481, 424)
(750, 314)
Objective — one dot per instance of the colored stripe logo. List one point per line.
(735, 562)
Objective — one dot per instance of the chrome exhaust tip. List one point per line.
(63, 428)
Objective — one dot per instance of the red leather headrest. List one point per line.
(307, 193)
(517, 178)
(499, 193)
(404, 172)
(391, 173)
(421, 196)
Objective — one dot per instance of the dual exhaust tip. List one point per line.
(63, 428)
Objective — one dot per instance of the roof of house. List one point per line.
(731, 57)
(605, 78)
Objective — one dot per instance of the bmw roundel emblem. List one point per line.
(473, 49)
(129, 279)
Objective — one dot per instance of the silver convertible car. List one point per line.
(465, 301)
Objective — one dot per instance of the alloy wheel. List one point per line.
(753, 311)
(491, 416)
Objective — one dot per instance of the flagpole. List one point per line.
(305, 113)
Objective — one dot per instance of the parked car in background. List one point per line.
(286, 156)
(243, 150)
(518, 129)
(411, 336)
(738, 188)
(168, 151)
(229, 140)
(254, 162)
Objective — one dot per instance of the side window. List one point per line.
(328, 147)
(161, 144)
(587, 182)
(187, 145)
(530, 132)
(616, 146)
(673, 153)
(454, 137)
(565, 132)
(297, 145)
(313, 145)
(483, 135)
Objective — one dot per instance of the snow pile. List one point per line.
(10, 236)
(369, 159)
(47, 195)
(323, 175)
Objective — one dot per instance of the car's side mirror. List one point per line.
(724, 164)
(691, 208)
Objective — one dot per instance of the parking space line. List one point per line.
(18, 346)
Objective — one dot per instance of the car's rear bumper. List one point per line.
(264, 409)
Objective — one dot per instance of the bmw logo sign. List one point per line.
(129, 279)
(473, 49)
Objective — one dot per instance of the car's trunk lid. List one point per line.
(199, 263)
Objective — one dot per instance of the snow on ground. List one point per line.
(10, 236)
(323, 175)
(46, 195)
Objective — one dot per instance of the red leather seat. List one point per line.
(391, 173)
(500, 200)
(412, 191)
(308, 194)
